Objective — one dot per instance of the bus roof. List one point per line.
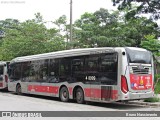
(64, 53)
(135, 48)
(68, 53)
(3, 62)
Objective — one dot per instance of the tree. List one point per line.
(152, 44)
(61, 22)
(86, 27)
(38, 18)
(8, 23)
(95, 29)
(144, 6)
(29, 38)
(112, 29)
(134, 30)
(64, 30)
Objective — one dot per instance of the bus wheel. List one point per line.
(64, 94)
(79, 96)
(18, 90)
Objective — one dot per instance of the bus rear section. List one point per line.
(3, 75)
(137, 75)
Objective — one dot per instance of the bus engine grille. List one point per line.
(140, 70)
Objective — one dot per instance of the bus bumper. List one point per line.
(138, 96)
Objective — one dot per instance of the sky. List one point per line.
(49, 9)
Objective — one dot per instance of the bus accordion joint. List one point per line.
(124, 86)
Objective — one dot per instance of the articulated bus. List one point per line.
(3, 74)
(89, 74)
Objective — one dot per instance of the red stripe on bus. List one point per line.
(89, 92)
(1, 84)
(101, 93)
(70, 90)
(46, 89)
(95, 93)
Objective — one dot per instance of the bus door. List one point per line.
(49, 81)
(26, 76)
(30, 79)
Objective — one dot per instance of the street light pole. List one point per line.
(71, 32)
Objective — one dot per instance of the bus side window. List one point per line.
(1, 73)
(1, 70)
(78, 73)
(16, 71)
(43, 71)
(34, 73)
(108, 69)
(77, 65)
(65, 69)
(53, 70)
(39, 71)
(92, 64)
(26, 71)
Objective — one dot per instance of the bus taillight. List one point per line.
(124, 86)
(6, 78)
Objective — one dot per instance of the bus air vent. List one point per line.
(140, 70)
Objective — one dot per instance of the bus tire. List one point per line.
(79, 96)
(18, 89)
(64, 94)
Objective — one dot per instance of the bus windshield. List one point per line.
(137, 56)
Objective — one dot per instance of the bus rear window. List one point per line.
(1, 70)
(137, 56)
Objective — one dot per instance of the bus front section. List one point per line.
(138, 77)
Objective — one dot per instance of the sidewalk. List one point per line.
(141, 102)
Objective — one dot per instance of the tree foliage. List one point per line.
(144, 6)
(109, 29)
(152, 44)
(28, 38)
(99, 29)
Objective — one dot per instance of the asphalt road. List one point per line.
(12, 102)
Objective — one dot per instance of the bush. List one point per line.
(154, 99)
(156, 90)
(157, 84)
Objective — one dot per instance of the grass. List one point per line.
(154, 99)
